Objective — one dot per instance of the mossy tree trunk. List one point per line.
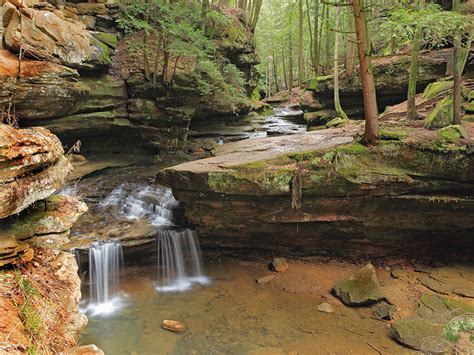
(337, 102)
(411, 96)
(457, 72)
(367, 77)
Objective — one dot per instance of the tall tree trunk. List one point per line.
(310, 30)
(457, 72)
(320, 35)
(275, 72)
(367, 77)
(284, 67)
(204, 8)
(300, 44)
(315, 37)
(337, 102)
(350, 54)
(411, 96)
(328, 40)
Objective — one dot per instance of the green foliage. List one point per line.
(458, 325)
(179, 27)
(399, 23)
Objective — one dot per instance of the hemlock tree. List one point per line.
(371, 133)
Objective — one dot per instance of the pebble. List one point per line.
(264, 279)
(325, 307)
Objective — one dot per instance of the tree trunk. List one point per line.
(315, 37)
(284, 68)
(275, 72)
(204, 8)
(300, 44)
(328, 40)
(457, 72)
(367, 78)
(350, 54)
(411, 96)
(337, 102)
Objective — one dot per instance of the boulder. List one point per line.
(43, 35)
(360, 289)
(453, 133)
(279, 265)
(337, 122)
(442, 115)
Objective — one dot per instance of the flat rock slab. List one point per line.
(359, 289)
(248, 151)
(458, 280)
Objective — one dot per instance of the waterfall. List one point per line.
(105, 260)
(179, 261)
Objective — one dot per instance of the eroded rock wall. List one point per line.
(40, 290)
(78, 78)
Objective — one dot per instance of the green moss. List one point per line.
(442, 115)
(436, 88)
(104, 55)
(106, 38)
(356, 148)
(452, 134)
(314, 84)
(392, 135)
(337, 122)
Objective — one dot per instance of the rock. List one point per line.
(173, 325)
(264, 279)
(44, 90)
(457, 280)
(359, 289)
(384, 311)
(85, 350)
(325, 307)
(44, 35)
(390, 75)
(279, 265)
(442, 115)
(437, 88)
(415, 332)
(55, 215)
(22, 192)
(318, 118)
(452, 133)
(24, 151)
(349, 192)
(337, 122)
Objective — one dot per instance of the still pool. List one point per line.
(234, 315)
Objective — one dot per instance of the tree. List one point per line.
(300, 43)
(367, 77)
(457, 72)
(337, 102)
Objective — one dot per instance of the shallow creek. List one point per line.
(235, 315)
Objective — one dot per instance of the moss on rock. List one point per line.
(452, 134)
(442, 115)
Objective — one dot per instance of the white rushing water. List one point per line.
(105, 261)
(154, 204)
(179, 261)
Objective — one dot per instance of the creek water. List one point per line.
(234, 315)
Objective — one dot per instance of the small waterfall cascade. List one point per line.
(179, 261)
(105, 260)
(132, 203)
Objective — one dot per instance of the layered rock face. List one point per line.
(321, 191)
(34, 224)
(390, 75)
(63, 81)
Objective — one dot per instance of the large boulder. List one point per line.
(44, 35)
(360, 289)
(442, 115)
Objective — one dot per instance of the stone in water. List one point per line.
(173, 325)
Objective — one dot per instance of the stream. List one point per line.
(140, 266)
